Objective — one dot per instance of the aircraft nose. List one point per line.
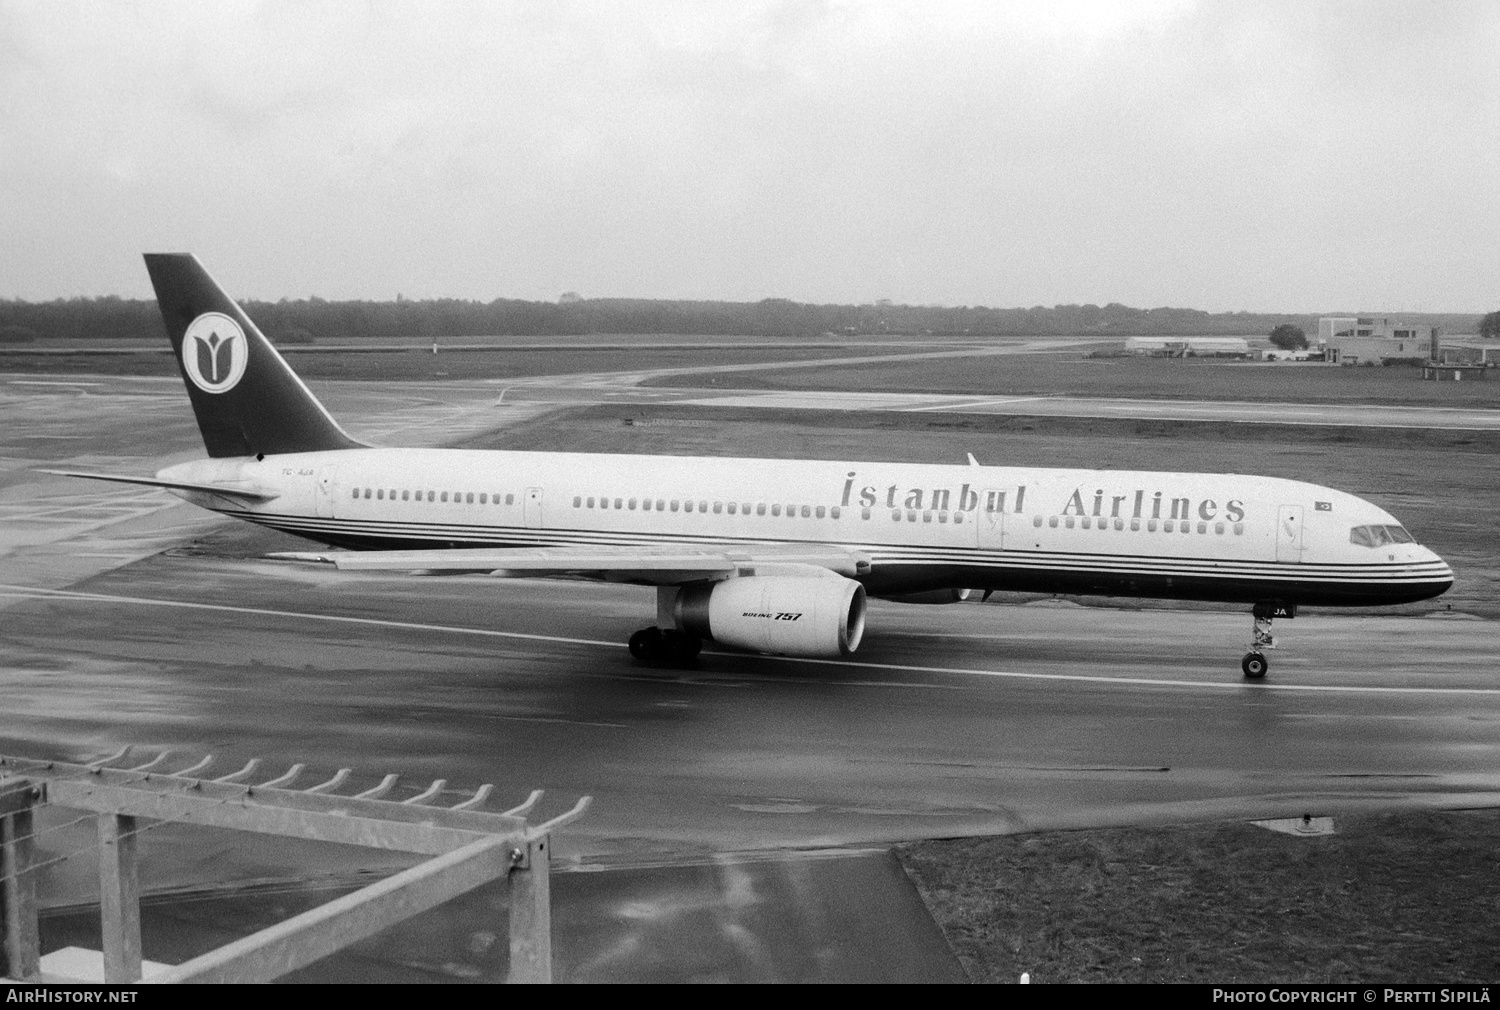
(1431, 562)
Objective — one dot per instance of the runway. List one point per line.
(1323, 414)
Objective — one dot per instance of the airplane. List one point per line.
(765, 555)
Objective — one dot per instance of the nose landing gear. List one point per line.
(1255, 663)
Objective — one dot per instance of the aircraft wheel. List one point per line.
(646, 644)
(681, 648)
(1254, 664)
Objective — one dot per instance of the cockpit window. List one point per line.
(1379, 536)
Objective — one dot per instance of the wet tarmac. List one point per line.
(955, 720)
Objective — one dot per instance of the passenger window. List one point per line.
(1203, 527)
(806, 512)
(958, 517)
(356, 492)
(1168, 526)
(760, 508)
(619, 503)
(1239, 529)
(1068, 522)
(430, 494)
(631, 504)
(942, 517)
(776, 510)
(1086, 521)
(443, 496)
(1135, 525)
(818, 512)
(1150, 525)
(927, 517)
(469, 498)
(1218, 529)
(591, 502)
(1036, 521)
(661, 505)
(380, 495)
(577, 501)
(791, 511)
(895, 515)
(744, 507)
(510, 499)
(718, 508)
(703, 506)
(1052, 522)
(911, 515)
(674, 504)
(834, 511)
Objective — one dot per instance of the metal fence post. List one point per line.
(119, 898)
(18, 908)
(531, 915)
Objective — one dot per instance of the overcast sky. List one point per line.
(1239, 155)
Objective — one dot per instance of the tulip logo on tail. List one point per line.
(214, 352)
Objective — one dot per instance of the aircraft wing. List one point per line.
(651, 565)
(246, 493)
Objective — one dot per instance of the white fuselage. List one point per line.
(1225, 537)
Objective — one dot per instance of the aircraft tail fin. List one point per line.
(247, 399)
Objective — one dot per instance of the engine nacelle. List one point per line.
(821, 615)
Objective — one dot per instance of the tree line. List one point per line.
(114, 318)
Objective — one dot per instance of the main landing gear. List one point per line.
(653, 645)
(1255, 664)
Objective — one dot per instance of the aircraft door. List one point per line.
(326, 493)
(1289, 533)
(990, 518)
(533, 508)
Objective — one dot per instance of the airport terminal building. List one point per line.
(1373, 340)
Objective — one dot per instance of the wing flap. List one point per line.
(653, 565)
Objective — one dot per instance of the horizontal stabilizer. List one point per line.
(634, 564)
(248, 494)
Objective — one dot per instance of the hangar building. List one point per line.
(1188, 347)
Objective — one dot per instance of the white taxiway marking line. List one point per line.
(27, 592)
(970, 405)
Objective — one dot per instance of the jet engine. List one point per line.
(789, 615)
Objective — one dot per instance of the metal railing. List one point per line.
(467, 846)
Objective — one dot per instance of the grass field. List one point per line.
(1071, 374)
(1400, 898)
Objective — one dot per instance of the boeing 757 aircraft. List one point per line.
(773, 556)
